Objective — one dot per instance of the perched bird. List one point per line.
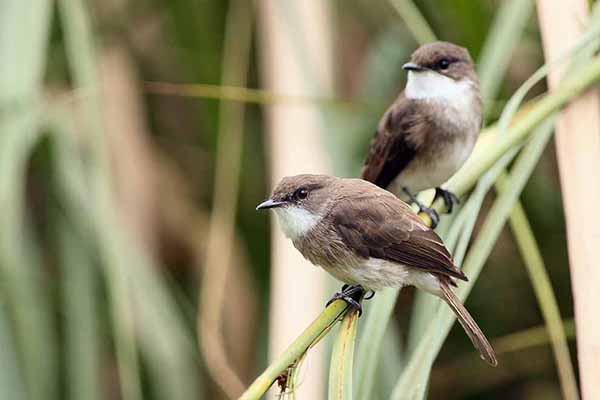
(430, 130)
(368, 238)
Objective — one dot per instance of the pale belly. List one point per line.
(376, 274)
(432, 171)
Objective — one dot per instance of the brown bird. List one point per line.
(368, 238)
(430, 130)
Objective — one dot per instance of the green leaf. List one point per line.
(24, 34)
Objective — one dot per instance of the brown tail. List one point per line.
(469, 325)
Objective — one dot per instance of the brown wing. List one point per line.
(396, 142)
(386, 228)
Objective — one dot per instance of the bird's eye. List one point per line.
(301, 194)
(443, 64)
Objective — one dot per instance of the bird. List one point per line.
(430, 130)
(369, 239)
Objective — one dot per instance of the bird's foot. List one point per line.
(450, 199)
(433, 215)
(352, 295)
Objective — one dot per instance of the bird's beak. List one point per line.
(269, 204)
(412, 67)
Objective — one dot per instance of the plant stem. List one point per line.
(217, 264)
(342, 359)
(531, 337)
(545, 294)
(314, 331)
(376, 323)
(413, 18)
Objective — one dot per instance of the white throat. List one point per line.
(430, 85)
(295, 221)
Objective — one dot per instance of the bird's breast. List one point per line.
(448, 144)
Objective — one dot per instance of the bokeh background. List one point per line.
(132, 158)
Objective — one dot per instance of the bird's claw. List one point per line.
(433, 215)
(349, 300)
(352, 295)
(450, 199)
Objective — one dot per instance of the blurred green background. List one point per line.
(110, 118)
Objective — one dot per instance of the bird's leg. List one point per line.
(450, 199)
(351, 294)
(435, 218)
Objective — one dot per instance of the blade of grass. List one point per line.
(20, 259)
(342, 359)
(584, 48)
(80, 53)
(378, 316)
(414, 20)
(392, 360)
(141, 304)
(250, 95)
(503, 36)
(545, 294)
(11, 379)
(537, 336)
(529, 361)
(211, 296)
(167, 344)
(21, 272)
(80, 311)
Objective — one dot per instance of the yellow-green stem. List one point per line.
(314, 331)
(342, 359)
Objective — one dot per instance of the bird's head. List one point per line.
(440, 70)
(300, 202)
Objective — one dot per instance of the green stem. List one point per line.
(414, 20)
(342, 359)
(544, 293)
(536, 336)
(314, 331)
(380, 312)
